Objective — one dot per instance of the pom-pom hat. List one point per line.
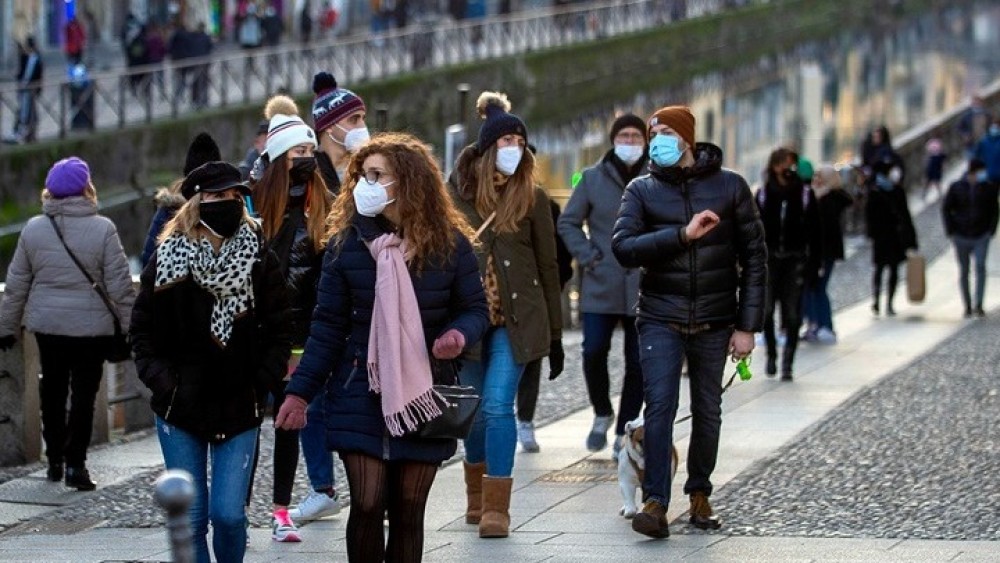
(332, 103)
(494, 108)
(285, 132)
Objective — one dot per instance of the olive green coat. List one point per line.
(527, 273)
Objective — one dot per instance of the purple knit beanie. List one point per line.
(68, 177)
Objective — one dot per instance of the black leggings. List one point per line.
(286, 457)
(397, 487)
(69, 363)
(527, 391)
(891, 287)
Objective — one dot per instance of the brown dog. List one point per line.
(632, 464)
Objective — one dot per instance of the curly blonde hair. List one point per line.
(428, 218)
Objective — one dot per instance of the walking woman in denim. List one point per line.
(399, 287)
(211, 335)
(494, 185)
(49, 295)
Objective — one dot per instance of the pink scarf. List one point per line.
(398, 366)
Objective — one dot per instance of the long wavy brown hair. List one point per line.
(428, 217)
(512, 201)
(270, 199)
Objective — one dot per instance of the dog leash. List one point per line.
(729, 384)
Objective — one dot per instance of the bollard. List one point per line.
(175, 492)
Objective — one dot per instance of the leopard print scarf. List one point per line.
(226, 275)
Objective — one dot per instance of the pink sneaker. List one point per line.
(282, 527)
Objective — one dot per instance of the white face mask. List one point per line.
(508, 158)
(370, 198)
(354, 138)
(629, 154)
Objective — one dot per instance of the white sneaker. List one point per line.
(526, 435)
(826, 336)
(283, 529)
(315, 506)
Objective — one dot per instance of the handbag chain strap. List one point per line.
(101, 292)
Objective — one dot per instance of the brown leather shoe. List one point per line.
(652, 521)
(701, 513)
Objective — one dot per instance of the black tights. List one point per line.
(397, 487)
(891, 285)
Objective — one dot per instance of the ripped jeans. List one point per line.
(232, 469)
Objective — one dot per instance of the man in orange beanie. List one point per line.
(701, 298)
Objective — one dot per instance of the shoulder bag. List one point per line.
(120, 349)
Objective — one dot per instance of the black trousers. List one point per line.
(69, 363)
(785, 285)
(527, 391)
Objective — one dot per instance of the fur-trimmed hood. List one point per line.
(165, 197)
(464, 178)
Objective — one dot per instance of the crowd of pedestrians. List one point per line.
(341, 278)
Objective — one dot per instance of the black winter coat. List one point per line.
(791, 221)
(831, 208)
(211, 392)
(717, 280)
(450, 295)
(889, 225)
(300, 264)
(970, 210)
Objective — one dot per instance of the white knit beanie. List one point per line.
(285, 132)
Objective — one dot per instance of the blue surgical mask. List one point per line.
(981, 176)
(994, 129)
(882, 182)
(665, 150)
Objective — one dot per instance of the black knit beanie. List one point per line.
(627, 120)
(203, 149)
(493, 107)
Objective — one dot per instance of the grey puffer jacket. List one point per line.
(47, 293)
(606, 286)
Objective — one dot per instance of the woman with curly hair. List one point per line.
(494, 186)
(400, 286)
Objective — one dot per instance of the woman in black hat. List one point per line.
(211, 335)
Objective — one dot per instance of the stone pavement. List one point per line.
(565, 506)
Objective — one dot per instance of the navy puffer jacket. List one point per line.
(716, 280)
(450, 295)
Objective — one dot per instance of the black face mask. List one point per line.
(302, 169)
(223, 217)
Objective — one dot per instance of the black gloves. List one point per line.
(8, 342)
(557, 359)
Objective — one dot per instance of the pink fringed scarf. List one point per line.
(398, 366)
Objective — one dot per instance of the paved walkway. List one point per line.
(565, 506)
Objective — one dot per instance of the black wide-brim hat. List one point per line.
(211, 177)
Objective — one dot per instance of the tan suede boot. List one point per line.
(496, 506)
(474, 491)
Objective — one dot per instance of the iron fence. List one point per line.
(115, 99)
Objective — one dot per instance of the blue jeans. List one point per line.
(319, 460)
(663, 350)
(232, 469)
(598, 328)
(964, 248)
(493, 437)
(816, 301)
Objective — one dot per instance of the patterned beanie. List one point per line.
(68, 177)
(332, 103)
(678, 118)
(494, 107)
(627, 120)
(285, 132)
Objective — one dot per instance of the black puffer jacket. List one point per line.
(698, 283)
(211, 392)
(301, 265)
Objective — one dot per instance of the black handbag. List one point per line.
(459, 404)
(120, 349)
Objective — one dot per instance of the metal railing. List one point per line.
(114, 100)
